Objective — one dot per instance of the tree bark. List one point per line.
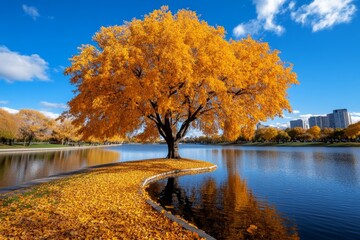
(173, 149)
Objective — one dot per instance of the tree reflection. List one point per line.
(22, 167)
(228, 211)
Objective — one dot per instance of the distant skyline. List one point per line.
(320, 37)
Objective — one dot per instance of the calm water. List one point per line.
(315, 190)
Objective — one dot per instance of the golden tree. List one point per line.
(8, 126)
(33, 124)
(168, 72)
(314, 131)
(65, 131)
(353, 130)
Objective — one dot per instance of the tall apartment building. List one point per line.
(316, 121)
(339, 118)
(298, 123)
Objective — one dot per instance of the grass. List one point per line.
(104, 203)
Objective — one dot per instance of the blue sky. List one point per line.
(320, 37)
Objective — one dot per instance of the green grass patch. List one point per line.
(9, 200)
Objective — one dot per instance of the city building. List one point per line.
(316, 121)
(339, 118)
(298, 123)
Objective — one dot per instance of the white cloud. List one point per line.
(31, 11)
(280, 125)
(266, 14)
(252, 27)
(4, 102)
(321, 14)
(53, 105)
(17, 67)
(355, 117)
(296, 112)
(307, 115)
(50, 114)
(10, 110)
(46, 113)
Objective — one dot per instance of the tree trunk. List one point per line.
(173, 149)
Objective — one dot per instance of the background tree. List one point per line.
(8, 126)
(295, 133)
(353, 131)
(65, 131)
(282, 136)
(314, 131)
(267, 134)
(166, 73)
(33, 124)
(326, 134)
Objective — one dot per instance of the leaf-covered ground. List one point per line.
(102, 204)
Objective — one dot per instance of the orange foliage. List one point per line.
(8, 125)
(33, 124)
(353, 131)
(170, 71)
(102, 204)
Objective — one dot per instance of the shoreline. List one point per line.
(51, 149)
(78, 204)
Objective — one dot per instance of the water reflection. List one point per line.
(22, 167)
(229, 211)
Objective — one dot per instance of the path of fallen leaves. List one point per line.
(102, 204)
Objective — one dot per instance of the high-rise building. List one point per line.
(316, 121)
(341, 118)
(325, 122)
(298, 123)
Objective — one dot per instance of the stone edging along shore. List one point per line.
(161, 210)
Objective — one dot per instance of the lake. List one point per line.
(274, 192)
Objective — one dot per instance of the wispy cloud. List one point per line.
(17, 67)
(4, 102)
(321, 14)
(31, 11)
(355, 117)
(48, 114)
(53, 105)
(10, 110)
(295, 111)
(280, 125)
(266, 19)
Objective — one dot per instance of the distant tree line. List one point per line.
(270, 134)
(28, 126)
(297, 134)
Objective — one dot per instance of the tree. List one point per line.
(65, 131)
(314, 131)
(296, 132)
(167, 73)
(8, 126)
(266, 134)
(353, 130)
(33, 124)
(326, 134)
(282, 136)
